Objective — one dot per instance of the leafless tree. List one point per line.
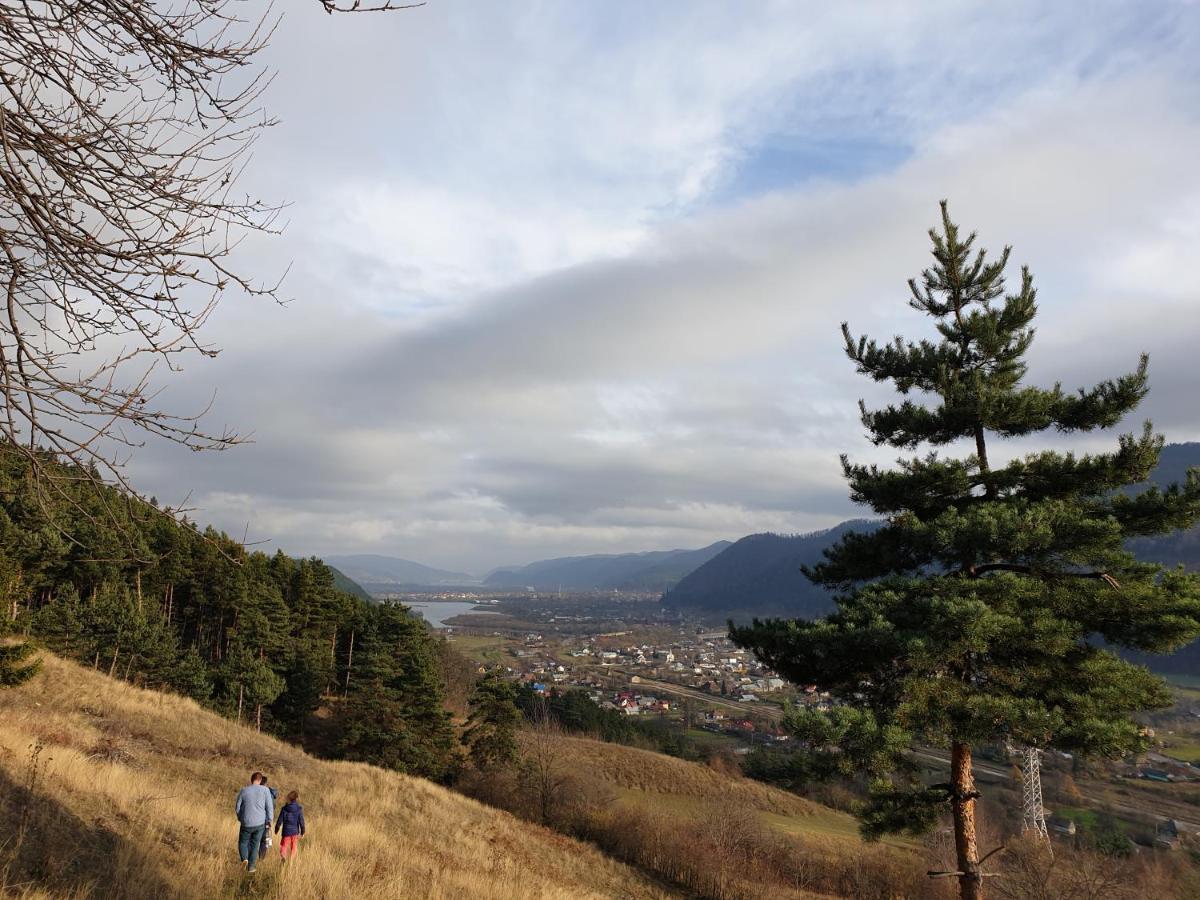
(124, 125)
(544, 774)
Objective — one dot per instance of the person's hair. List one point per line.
(257, 778)
(293, 796)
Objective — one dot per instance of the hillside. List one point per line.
(713, 831)
(113, 791)
(347, 585)
(650, 571)
(759, 576)
(378, 573)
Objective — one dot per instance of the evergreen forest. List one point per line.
(120, 585)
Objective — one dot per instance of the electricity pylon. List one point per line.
(1033, 812)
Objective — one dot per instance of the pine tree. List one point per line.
(17, 664)
(491, 732)
(394, 715)
(972, 615)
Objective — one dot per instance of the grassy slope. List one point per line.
(134, 794)
(667, 784)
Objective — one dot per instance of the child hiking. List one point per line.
(291, 821)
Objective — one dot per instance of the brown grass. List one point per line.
(656, 773)
(107, 790)
(716, 834)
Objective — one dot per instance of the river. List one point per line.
(436, 612)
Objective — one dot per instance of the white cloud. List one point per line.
(523, 325)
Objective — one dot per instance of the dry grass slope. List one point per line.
(132, 795)
(656, 773)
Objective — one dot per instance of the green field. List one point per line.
(707, 740)
(1084, 818)
(1182, 747)
(489, 649)
(1190, 685)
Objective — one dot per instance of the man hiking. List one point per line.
(255, 808)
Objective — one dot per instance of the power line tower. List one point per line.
(1033, 812)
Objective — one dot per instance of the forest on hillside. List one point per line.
(118, 584)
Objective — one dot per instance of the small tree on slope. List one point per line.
(972, 615)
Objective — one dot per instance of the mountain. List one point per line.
(1174, 462)
(760, 576)
(655, 570)
(348, 585)
(104, 783)
(378, 573)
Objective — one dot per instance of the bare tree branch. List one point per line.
(332, 6)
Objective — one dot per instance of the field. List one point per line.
(111, 791)
(490, 649)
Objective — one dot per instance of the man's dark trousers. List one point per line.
(249, 840)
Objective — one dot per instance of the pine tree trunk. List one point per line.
(258, 718)
(241, 692)
(349, 662)
(962, 780)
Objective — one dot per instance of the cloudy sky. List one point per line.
(567, 278)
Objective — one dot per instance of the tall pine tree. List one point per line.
(491, 732)
(976, 613)
(394, 715)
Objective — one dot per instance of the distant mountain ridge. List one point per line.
(760, 576)
(655, 570)
(379, 573)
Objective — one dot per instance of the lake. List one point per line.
(438, 611)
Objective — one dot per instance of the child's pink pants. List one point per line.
(287, 845)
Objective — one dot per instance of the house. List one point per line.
(1167, 834)
(1060, 825)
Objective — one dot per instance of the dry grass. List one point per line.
(715, 833)
(655, 773)
(131, 795)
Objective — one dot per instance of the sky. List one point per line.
(569, 278)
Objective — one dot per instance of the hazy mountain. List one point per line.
(379, 572)
(651, 571)
(760, 576)
(1174, 462)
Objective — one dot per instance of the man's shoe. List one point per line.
(250, 871)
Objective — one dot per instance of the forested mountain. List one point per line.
(378, 574)
(650, 571)
(759, 576)
(343, 582)
(267, 639)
